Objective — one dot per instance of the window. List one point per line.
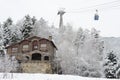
(46, 58)
(14, 50)
(43, 47)
(25, 47)
(35, 45)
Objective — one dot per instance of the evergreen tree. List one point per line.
(14, 38)
(34, 20)
(0, 31)
(1, 36)
(111, 66)
(7, 31)
(27, 27)
(16, 34)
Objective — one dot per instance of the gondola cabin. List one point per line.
(96, 16)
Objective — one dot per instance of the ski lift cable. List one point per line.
(90, 10)
(104, 3)
(115, 6)
(91, 7)
(81, 11)
(107, 3)
(86, 9)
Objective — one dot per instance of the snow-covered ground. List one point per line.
(26, 76)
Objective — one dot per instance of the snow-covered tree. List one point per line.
(66, 57)
(65, 54)
(79, 40)
(15, 37)
(69, 33)
(8, 65)
(94, 33)
(111, 65)
(1, 31)
(34, 20)
(7, 31)
(27, 27)
(89, 46)
(41, 28)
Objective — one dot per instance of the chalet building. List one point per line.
(35, 54)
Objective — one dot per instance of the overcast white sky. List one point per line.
(108, 24)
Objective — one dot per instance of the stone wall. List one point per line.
(36, 67)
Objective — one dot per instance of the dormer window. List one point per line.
(15, 49)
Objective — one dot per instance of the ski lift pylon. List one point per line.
(96, 16)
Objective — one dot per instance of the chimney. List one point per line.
(50, 38)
